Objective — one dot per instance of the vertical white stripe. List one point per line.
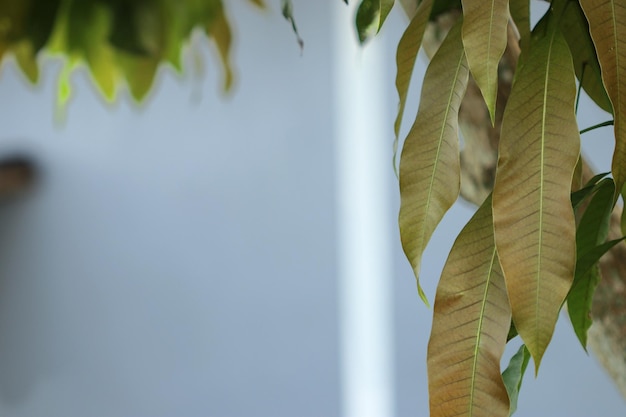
(363, 129)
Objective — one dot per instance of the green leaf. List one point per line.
(607, 25)
(429, 165)
(592, 231)
(287, 8)
(470, 325)
(575, 29)
(370, 17)
(579, 196)
(520, 13)
(408, 47)
(533, 217)
(513, 375)
(484, 39)
(587, 260)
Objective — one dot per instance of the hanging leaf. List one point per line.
(592, 231)
(513, 376)
(533, 217)
(579, 196)
(484, 39)
(429, 164)
(575, 29)
(408, 47)
(520, 13)
(370, 17)
(287, 9)
(607, 25)
(470, 326)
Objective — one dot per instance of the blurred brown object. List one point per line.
(17, 174)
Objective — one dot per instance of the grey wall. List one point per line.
(179, 259)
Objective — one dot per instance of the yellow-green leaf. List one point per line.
(484, 38)
(219, 32)
(607, 25)
(429, 164)
(470, 326)
(408, 47)
(576, 31)
(533, 216)
(520, 13)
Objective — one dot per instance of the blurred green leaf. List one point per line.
(370, 17)
(513, 376)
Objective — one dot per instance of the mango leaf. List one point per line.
(470, 326)
(218, 30)
(115, 39)
(484, 39)
(592, 231)
(429, 165)
(607, 25)
(513, 376)
(520, 13)
(587, 260)
(575, 29)
(533, 217)
(623, 220)
(579, 196)
(408, 47)
(370, 17)
(287, 9)
(579, 303)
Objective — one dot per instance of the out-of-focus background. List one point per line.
(181, 258)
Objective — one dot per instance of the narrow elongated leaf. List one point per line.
(579, 196)
(408, 47)
(520, 13)
(429, 165)
(533, 216)
(593, 230)
(575, 28)
(484, 39)
(513, 376)
(579, 303)
(587, 260)
(607, 25)
(470, 326)
(370, 17)
(287, 8)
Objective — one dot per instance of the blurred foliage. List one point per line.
(119, 41)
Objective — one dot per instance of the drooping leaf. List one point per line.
(575, 28)
(592, 230)
(520, 13)
(118, 40)
(579, 303)
(408, 47)
(470, 326)
(579, 196)
(370, 17)
(484, 39)
(513, 376)
(429, 164)
(587, 260)
(287, 8)
(594, 224)
(607, 25)
(218, 30)
(533, 216)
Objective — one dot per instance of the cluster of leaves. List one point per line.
(120, 41)
(535, 243)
